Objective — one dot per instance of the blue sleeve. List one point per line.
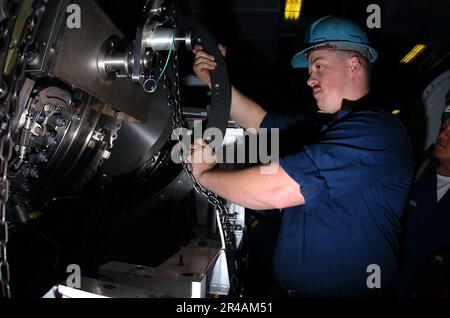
(283, 122)
(357, 153)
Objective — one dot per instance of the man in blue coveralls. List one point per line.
(425, 270)
(342, 196)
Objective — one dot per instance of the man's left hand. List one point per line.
(202, 158)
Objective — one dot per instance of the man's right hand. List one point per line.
(204, 63)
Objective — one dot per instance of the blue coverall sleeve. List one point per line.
(354, 154)
(284, 122)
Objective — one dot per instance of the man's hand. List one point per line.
(202, 158)
(204, 63)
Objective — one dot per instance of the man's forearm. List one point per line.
(246, 112)
(234, 186)
(253, 189)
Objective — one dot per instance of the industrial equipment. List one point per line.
(88, 114)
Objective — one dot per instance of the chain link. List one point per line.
(174, 103)
(9, 107)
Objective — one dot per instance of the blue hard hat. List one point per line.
(336, 33)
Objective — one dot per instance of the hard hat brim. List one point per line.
(300, 59)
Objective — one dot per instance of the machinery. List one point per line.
(88, 112)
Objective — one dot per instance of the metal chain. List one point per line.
(174, 103)
(10, 106)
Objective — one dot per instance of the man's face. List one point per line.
(442, 148)
(328, 78)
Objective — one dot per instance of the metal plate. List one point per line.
(71, 55)
(94, 288)
(136, 143)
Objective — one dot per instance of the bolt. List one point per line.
(42, 158)
(25, 186)
(40, 119)
(51, 140)
(37, 130)
(26, 171)
(76, 116)
(30, 57)
(12, 45)
(34, 173)
(3, 89)
(60, 122)
(97, 135)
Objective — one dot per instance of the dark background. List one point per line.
(261, 44)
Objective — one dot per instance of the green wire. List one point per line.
(168, 57)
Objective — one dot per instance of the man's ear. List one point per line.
(355, 64)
